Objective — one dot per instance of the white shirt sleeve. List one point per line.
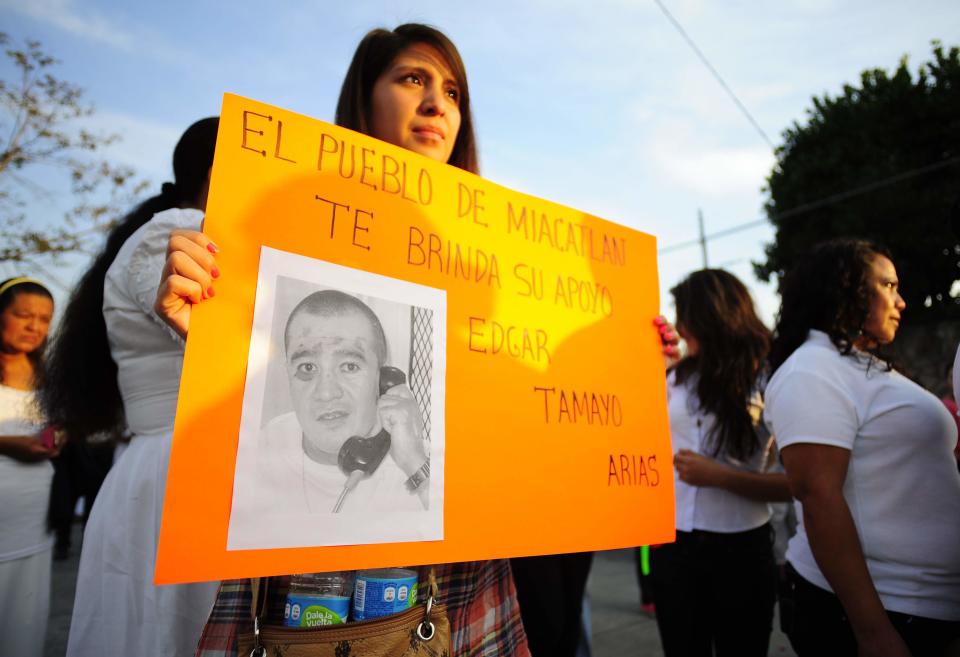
(150, 255)
(806, 407)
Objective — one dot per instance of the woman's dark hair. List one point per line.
(376, 52)
(12, 288)
(80, 392)
(715, 308)
(828, 291)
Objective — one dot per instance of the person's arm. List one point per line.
(699, 470)
(26, 449)
(816, 474)
(187, 278)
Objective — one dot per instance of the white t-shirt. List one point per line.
(292, 481)
(902, 484)
(708, 508)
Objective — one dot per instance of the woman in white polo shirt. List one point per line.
(875, 563)
(715, 586)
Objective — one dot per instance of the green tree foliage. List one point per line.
(880, 161)
(42, 138)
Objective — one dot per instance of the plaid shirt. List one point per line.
(480, 597)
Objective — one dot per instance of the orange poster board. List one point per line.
(544, 389)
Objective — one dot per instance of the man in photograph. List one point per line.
(334, 348)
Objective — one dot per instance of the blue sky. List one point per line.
(601, 106)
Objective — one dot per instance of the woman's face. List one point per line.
(25, 322)
(886, 304)
(415, 103)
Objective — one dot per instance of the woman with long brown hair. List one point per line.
(715, 587)
(408, 87)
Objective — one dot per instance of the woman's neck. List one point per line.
(865, 343)
(17, 370)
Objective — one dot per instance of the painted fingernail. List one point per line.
(213, 248)
(215, 272)
(210, 291)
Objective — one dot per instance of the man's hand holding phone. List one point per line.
(400, 416)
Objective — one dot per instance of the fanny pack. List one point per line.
(424, 629)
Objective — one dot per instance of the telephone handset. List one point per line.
(359, 457)
(366, 454)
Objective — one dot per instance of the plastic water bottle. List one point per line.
(318, 599)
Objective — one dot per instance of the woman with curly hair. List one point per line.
(874, 568)
(715, 586)
(114, 365)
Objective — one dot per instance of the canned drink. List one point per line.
(383, 591)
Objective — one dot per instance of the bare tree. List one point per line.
(42, 133)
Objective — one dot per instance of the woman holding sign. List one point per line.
(115, 365)
(407, 87)
(715, 587)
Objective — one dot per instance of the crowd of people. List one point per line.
(812, 412)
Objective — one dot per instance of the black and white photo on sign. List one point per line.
(341, 433)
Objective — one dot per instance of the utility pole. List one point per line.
(703, 238)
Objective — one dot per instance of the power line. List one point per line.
(869, 187)
(716, 75)
(712, 236)
(813, 205)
